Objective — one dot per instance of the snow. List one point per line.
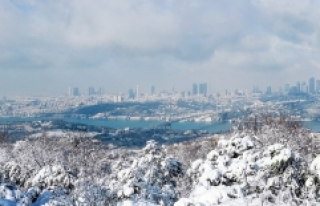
(237, 169)
(52, 176)
(315, 166)
(5, 202)
(61, 133)
(148, 178)
(135, 203)
(196, 164)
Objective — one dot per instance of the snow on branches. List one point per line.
(238, 168)
(149, 177)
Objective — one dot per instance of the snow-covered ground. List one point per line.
(60, 133)
(243, 169)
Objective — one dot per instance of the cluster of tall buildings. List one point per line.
(311, 87)
(201, 88)
(93, 91)
(135, 94)
(74, 91)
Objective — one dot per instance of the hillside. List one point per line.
(273, 163)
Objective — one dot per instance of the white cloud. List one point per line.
(129, 39)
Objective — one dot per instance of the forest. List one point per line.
(264, 160)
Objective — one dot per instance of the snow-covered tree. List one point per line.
(150, 177)
(241, 168)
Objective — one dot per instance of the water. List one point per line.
(314, 126)
(119, 124)
(212, 127)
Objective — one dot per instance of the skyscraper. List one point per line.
(203, 88)
(137, 92)
(298, 87)
(153, 89)
(100, 90)
(269, 91)
(131, 94)
(312, 85)
(91, 91)
(74, 91)
(195, 89)
(255, 89)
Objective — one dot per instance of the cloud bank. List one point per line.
(47, 46)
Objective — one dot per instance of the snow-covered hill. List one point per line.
(271, 167)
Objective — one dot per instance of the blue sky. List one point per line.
(47, 46)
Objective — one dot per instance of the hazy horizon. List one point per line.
(48, 46)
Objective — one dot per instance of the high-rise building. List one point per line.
(195, 89)
(256, 89)
(293, 90)
(312, 85)
(91, 91)
(298, 87)
(74, 91)
(203, 88)
(137, 92)
(153, 89)
(269, 91)
(131, 94)
(100, 91)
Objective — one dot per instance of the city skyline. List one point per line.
(47, 47)
(311, 85)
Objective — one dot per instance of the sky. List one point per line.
(48, 46)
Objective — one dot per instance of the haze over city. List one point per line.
(48, 46)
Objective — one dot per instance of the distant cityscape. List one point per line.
(174, 104)
(312, 86)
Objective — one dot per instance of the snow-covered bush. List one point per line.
(91, 192)
(13, 196)
(149, 177)
(53, 176)
(239, 168)
(55, 197)
(189, 151)
(312, 182)
(12, 171)
(49, 187)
